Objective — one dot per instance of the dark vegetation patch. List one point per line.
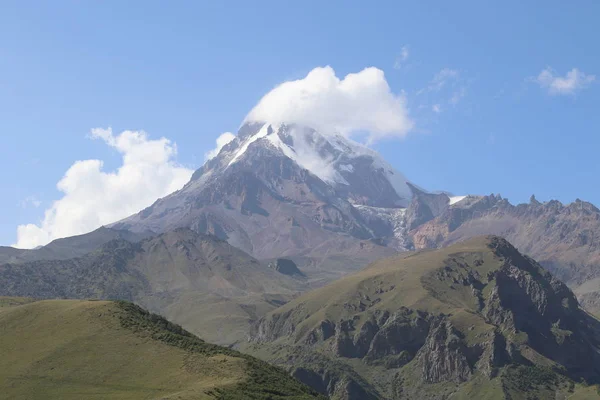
(527, 378)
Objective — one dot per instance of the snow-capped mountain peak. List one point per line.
(288, 189)
(342, 163)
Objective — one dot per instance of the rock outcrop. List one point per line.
(443, 356)
(424, 207)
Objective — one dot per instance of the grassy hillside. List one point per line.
(71, 349)
(474, 320)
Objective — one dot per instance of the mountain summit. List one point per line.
(288, 190)
(356, 172)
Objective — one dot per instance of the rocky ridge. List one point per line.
(481, 309)
(565, 239)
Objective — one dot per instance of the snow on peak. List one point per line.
(355, 149)
(264, 131)
(327, 155)
(306, 154)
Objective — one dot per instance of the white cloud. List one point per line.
(436, 108)
(30, 201)
(401, 59)
(573, 81)
(222, 141)
(357, 103)
(93, 197)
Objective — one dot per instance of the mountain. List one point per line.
(330, 206)
(476, 319)
(69, 349)
(282, 190)
(197, 280)
(565, 239)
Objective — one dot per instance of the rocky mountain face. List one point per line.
(565, 239)
(196, 280)
(474, 320)
(289, 191)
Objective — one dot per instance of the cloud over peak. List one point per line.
(575, 80)
(359, 102)
(93, 197)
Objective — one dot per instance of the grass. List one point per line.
(67, 349)
(14, 301)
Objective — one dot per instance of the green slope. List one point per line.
(72, 349)
(473, 320)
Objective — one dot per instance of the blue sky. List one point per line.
(189, 71)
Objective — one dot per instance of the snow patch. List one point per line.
(307, 157)
(394, 216)
(264, 131)
(456, 199)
